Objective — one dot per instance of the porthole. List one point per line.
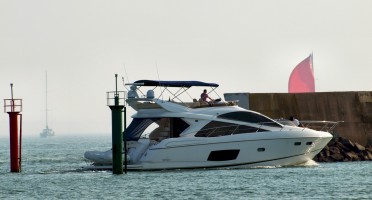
(261, 149)
(309, 143)
(297, 143)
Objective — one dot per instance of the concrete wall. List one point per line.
(242, 98)
(354, 108)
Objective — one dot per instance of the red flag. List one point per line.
(302, 77)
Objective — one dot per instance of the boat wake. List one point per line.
(265, 167)
(310, 163)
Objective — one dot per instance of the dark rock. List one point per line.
(359, 147)
(331, 143)
(352, 156)
(340, 149)
(347, 143)
(369, 155)
(334, 150)
(337, 157)
(340, 146)
(327, 153)
(369, 148)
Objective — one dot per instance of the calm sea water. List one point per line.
(50, 170)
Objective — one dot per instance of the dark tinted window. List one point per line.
(172, 126)
(178, 126)
(223, 155)
(215, 129)
(136, 128)
(249, 117)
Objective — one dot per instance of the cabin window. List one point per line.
(136, 128)
(162, 129)
(223, 155)
(178, 126)
(168, 128)
(155, 128)
(250, 117)
(216, 128)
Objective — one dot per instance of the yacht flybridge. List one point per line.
(169, 133)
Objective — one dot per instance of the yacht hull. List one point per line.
(238, 151)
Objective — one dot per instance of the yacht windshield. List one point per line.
(136, 128)
(157, 128)
(250, 117)
(216, 129)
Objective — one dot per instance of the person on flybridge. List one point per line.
(204, 96)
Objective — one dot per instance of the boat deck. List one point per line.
(196, 104)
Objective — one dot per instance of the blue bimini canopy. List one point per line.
(174, 83)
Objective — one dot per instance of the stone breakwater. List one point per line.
(340, 149)
(354, 109)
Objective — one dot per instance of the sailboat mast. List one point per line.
(46, 99)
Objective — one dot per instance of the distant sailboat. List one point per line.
(302, 78)
(47, 132)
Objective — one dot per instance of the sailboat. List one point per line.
(302, 78)
(47, 132)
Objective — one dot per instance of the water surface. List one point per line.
(51, 170)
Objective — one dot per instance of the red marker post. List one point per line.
(13, 107)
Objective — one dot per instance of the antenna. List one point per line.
(11, 90)
(11, 93)
(122, 78)
(126, 74)
(157, 71)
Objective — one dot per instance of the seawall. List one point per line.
(353, 108)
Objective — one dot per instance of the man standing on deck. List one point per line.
(295, 121)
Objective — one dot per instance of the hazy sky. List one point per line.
(244, 45)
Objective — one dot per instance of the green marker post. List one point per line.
(117, 137)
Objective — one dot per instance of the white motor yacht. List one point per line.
(168, 133)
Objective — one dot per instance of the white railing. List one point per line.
(234, 129)
(326, 126)
(12, 105)
(110, 97)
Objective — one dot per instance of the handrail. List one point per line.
(327, 126)
(234, 129)
(110, 97)
(12, 105)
